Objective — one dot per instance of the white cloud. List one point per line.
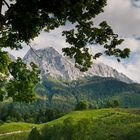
(122, 16)
(54, 39)
(18, 53)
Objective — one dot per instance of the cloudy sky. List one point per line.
(124, 18)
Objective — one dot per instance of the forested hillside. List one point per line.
(94, 89)
(55, 98)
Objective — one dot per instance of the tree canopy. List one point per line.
(23, 20)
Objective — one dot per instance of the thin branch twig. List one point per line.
(34, 51)
(6, 3)
(1, 6)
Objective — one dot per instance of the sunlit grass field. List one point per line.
(103, 124)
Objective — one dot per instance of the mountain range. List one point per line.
(52, 63)
(63, 85)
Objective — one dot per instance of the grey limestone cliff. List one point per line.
(52, 63)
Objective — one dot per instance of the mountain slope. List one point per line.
(94, 89)
(54, 64)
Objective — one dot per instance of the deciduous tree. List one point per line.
(23, 20)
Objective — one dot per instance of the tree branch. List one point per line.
(9, 11)
(1, 16)
(6, 3)
(34, 51)
(1, 1)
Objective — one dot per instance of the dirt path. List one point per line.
(15, 132)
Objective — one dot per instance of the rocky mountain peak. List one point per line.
(53, 63)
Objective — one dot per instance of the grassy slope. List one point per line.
(15, 126)
(20, 136)
(100, 113)
(105, 124)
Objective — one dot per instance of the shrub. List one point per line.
(116, 103)
(109, 104)
(1, 122)
(34, 134)
(82, 105)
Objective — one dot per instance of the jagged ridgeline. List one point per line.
(52, 63)
(64, 85)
